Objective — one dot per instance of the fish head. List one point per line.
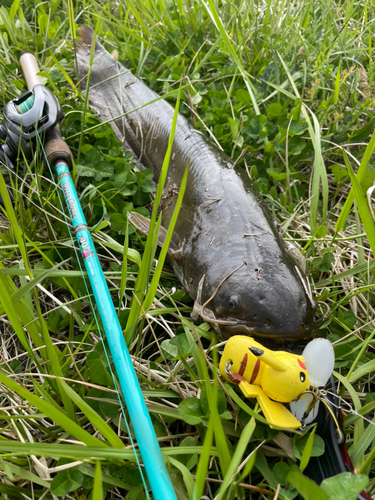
(271, 303)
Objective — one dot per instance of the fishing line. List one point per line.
(321, 395)
(349, 408)
(327, 403)
(97, 323)
(317, 396)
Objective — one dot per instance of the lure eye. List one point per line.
(233, 302)
(302, 376)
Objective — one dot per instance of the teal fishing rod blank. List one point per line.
(152, 458)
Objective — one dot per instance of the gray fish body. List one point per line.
(266, 297)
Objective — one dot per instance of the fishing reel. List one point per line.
(26, 117)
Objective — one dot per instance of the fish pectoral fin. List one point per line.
(276, 413)
(142, 223)
(196, 312)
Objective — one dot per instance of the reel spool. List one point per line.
(34, 112)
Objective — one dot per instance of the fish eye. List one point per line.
(302, 376)
(233, 302)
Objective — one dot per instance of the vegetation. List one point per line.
(287, 90)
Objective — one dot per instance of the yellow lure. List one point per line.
(270, 377)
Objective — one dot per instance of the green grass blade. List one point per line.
(365, 410)
(363, 208)
(359, 355)
(337, 85)
(212, 12)
(12, 314)
(362, 371)
(89, 452)
(93, 417)
(13, 9)
(45, 394)
(99, 125)
(72, 24)
(21, 314)
(206, 57)
(24, 282)
(355, 270)
(67, 77)
(360, 176)
(30, 285)
(359, 425)
(204, 461)
(281, 89)
(186, 474)
(306, 454)
(367, 462)
(124, 273)
(22, 473)
(51, 263)
(358, 451)
(319, 177)
(134, 9)
(106, 478)
(8, 26)
(243, 405)
(236, 459)
(220, 437)
(97, 491)
(91, 60)
(52, 352)
(263, 467)
(109, 242)
(163, 254)
(319, 170)
(51, 412)
(14, 224)
(143, 275)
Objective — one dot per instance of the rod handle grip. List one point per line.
(30, 69)
(56, 148)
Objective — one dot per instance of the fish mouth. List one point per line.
(235, 327)
(240, 328)
(226, 328)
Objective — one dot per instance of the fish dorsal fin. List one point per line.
(142, 223)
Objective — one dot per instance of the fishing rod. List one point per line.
(35, 113)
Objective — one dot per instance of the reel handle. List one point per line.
(30, 69)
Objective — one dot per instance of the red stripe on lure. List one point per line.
(301, 365)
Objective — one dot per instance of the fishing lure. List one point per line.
(279, 377)
(30, 113)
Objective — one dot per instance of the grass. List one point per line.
(286, 89)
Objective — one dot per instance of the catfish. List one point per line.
(226, 249)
